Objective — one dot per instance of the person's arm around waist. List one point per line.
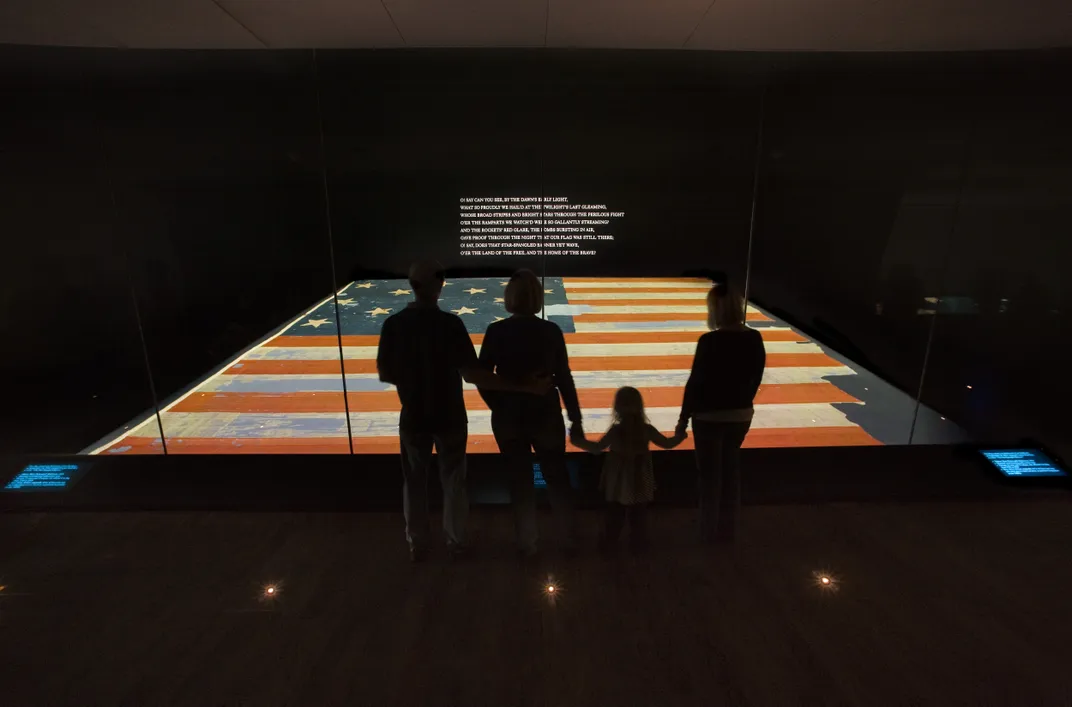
(481, 371)
(489, 380)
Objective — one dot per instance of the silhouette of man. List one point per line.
(425, 353)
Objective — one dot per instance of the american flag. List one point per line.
(285, 394)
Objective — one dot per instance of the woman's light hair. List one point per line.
(524, 293)
(725, 308)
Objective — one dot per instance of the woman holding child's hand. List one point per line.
(726, 372)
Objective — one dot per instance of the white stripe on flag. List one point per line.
(696, 295)
(327, 353)
(584, 380)
(583, 327)
(700, 310)
(572, 284)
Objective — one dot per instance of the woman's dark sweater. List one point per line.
(520, 347)
(726, 372)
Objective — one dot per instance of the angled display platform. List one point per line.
(284, 395)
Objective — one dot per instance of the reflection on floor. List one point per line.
(285, 394)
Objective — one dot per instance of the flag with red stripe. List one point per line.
(285, 395)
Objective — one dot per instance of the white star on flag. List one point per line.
(315, 323)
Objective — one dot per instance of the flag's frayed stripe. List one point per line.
(614, 336)
(372, 424)
(370, 382)
(477, 444)
(387, 401)
(639, 351)
(580, 363)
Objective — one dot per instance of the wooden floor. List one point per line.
(937, 604)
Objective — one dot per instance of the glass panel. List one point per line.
(1002, 336)
(654, 153)
(859, 181)
(75, 365)
(221, 193)
(429, 155)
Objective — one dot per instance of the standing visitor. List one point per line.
(726, 372)
(425, 353)
(518, 348)
(628, 480)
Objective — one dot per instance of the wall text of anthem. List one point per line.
(531, 226)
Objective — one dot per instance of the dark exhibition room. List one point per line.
(532, 352)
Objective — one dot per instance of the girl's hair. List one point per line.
(524, 293)
(725, 308)
(630, 419)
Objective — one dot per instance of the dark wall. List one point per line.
(658, 136)
(889, 180)
(180, 197)
(219, 191)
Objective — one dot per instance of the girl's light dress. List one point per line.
(628, 477)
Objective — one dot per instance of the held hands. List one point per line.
(681, 432)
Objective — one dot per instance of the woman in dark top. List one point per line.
(517, 349)
(726, 372)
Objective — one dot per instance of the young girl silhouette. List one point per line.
(627, 482)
